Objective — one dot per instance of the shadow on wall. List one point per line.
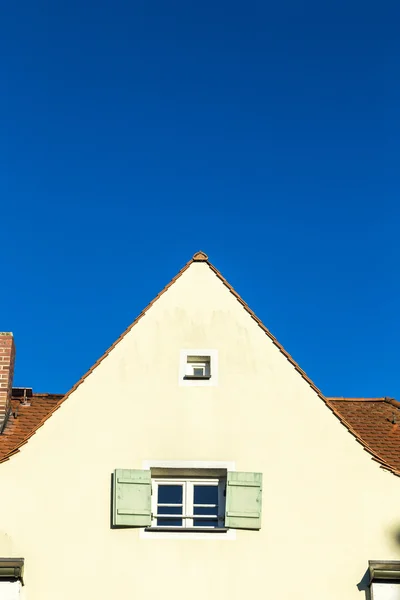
(363, 585)
(112, 526)
(396, 537)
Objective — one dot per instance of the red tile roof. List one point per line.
(24, 420)
(375, 422)
(370, 420)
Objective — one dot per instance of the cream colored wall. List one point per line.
(327, 507)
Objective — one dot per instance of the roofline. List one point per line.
(358, 399)
(391, 401)
(196, 258)
(202, 257)
(41, 395)
(269, 334)
(379, 459)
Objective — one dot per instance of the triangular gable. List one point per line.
(201, 257)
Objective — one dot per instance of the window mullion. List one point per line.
(189, 502)
(221, 502)
(154, 496)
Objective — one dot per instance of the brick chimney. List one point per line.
(7, 359)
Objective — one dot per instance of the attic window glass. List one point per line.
(198, 367)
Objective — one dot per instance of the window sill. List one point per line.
(187, 529)
(197, 377)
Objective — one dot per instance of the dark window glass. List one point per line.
(205, 494)
(205, 510)
(205, 522)
(170, 494)
(165, 522)
(170, 510)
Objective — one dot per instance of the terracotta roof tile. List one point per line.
(375, 424)
(24, 420)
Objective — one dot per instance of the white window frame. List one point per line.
(211, 377)
(188, 506)
(204, 364)
(388, 590)
(193, 466)
(10, 590)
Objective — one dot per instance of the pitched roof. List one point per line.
(24, 420)
(382, 447)
(375, 424)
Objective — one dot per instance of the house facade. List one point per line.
(196, 459)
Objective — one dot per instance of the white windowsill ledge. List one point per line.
(189, 529)
(179, 533)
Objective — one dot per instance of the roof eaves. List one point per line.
(375, 455)
(343, 399)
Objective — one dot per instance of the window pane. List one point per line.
(205, 510)
(165, 522)
(170, 494)
(170, 510)
(206, 494)
(205, 522)
(386, 591)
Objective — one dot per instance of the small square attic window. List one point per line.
(198, 367)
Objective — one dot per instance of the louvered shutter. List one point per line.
(132, 498)
(243, 500)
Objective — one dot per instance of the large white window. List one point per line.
(188, 502)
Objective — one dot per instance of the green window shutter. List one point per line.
(243, 500)
(132, 498)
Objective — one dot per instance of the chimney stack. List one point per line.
(7, 359)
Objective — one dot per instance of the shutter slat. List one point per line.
(122, 480)
(243, 500)
(248, 515)
(244, 483)
(132, 498)
(124, 511)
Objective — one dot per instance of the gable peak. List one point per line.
(200, 256)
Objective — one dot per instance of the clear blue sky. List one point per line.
(264, 133)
